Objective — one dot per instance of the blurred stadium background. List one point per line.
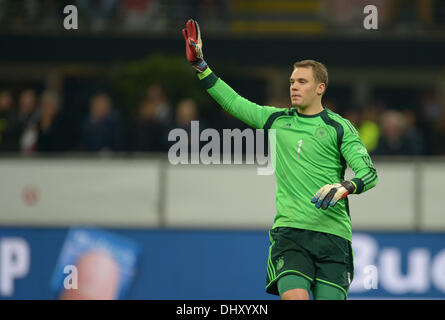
(84, 120)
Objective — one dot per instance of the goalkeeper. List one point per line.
(310, 241)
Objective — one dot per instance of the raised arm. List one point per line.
(249, 112)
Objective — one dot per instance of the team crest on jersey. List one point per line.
(280, 263)
(321, 133)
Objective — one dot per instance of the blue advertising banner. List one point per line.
(39, 263)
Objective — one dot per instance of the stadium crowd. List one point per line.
(398, 16)
(33, 123)
(37, 121)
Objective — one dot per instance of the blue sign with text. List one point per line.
(207, 264)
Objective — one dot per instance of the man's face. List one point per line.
(100, 107)
(5, 100)
(303, 87)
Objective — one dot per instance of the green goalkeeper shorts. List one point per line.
(315, 256)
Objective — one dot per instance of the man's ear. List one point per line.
(321, 88)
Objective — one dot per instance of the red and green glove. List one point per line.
(193, 45)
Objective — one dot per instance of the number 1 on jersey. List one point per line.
(300, 142)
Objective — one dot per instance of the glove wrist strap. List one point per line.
(200, 66)
(348, 186)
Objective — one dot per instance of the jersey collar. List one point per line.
(294, 110)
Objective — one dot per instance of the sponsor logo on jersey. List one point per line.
(361, 150)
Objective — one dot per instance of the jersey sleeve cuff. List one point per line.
(207, 78)
(204, 74)
(358, 185)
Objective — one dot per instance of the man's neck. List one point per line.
(311, 110)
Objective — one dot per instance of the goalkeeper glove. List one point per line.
(331, 193)
(193, 45)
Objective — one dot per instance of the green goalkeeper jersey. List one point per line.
(311, 151)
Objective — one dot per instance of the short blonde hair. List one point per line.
(319, 70)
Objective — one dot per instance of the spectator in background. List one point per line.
(147, 132)
(186, 112)
(394, 139)
(101, 130)
(412, 132)
(9, 136)
(28, 115)
(430, 107)
(156, 95)
(52, 129)
(369, 129)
